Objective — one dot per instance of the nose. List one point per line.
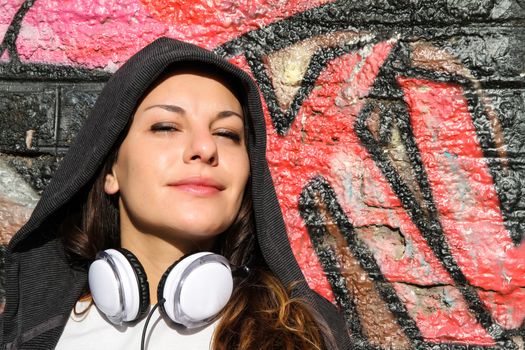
(201, 148)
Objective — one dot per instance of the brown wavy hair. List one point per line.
(261, 313)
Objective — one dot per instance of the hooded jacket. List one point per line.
(42, 287)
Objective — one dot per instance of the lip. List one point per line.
(198, 185)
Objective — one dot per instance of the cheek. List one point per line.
(241, 170)
(246, 173)
(246, 166)
(143, 165)
(158, 161)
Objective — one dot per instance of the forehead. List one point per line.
(191, 87)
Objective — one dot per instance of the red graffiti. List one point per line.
(465, 196)
(224, 20)
(322, 141)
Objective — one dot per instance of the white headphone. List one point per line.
(191, 292)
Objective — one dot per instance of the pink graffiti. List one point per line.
(86, 33)
(94, 34)
(8, 11)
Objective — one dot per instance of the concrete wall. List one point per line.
(396, 133)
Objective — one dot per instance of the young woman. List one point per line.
(165, 200)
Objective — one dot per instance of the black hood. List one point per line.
(109, 119)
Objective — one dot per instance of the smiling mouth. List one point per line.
(197, 189)
(198, 186)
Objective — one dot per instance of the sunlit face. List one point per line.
(183, 166)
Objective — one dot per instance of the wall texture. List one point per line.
(396, 141)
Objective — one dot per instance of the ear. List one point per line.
(111, 183)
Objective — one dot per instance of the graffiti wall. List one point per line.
(396, 134)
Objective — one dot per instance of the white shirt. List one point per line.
(93, 331)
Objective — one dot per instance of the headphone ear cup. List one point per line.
(195, 289)
(119, 285)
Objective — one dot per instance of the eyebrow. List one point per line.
(180, 110)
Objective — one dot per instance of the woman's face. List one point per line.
(183, 166)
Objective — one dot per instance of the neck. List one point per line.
(156, 254)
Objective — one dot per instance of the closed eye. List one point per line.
(235, 137)
(164, 127)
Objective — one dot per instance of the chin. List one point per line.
(204, 223)
(203, 233)
(197, 231)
